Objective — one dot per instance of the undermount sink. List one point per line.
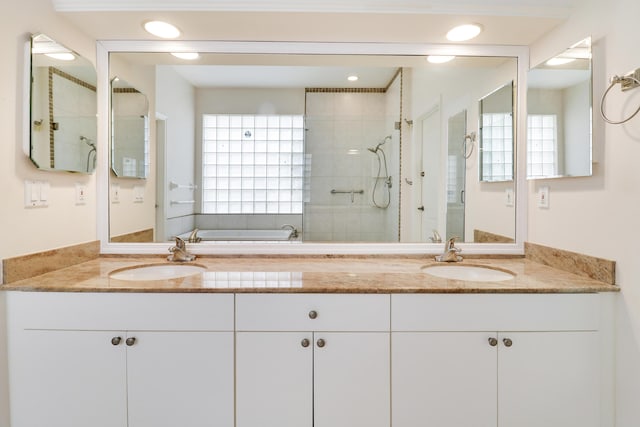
(157, 272)
(474, 273)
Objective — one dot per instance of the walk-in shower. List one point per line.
(382, 160)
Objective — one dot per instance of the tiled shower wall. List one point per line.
(341, 126)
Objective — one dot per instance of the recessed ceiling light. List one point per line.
(559, 61)
(439, 59)
(464, 32)
(190, 56)
(161, 29)
(62, 56)
(352, 78)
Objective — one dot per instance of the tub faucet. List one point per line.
(450, 253)
(179, 252)
(193, 237)
(294, 231)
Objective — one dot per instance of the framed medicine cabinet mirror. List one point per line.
(129, 130)
(559, 121)
(62, 108)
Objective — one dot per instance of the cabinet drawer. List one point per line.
(312, 312)
(495, 312)
(121, 311)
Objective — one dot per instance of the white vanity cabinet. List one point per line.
(137, 360)
(312, 360)
(504, 360)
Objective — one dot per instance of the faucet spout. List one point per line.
(179, 252)
(450, 253)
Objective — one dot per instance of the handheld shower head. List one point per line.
(88, 141)
(384, 141)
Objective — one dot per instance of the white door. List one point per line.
(69, 379)
(444, 379)
(548, 379)
(180, 379)
(351, 379)
(274, 379)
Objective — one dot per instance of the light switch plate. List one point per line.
(138, 194)
(543, 197)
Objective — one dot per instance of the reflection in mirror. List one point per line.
(559, 115)
(496, 135)
(456, 165)
(63, 108)
(249, 145)
(129, 131)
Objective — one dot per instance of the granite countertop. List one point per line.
(311, 275)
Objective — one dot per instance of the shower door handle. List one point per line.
(462, 196)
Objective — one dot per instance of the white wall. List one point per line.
(596, 215)
(175, 100)
(62, 223)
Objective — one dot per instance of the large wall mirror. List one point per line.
(63, 126)
(559, 123)
(274, 148)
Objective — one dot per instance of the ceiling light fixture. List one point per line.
(464, 32)
(439, 59)
(161, 29)
(352, 78)
(62, 56)
(189, 56)
(559, 60)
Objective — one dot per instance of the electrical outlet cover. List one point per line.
(543, 197)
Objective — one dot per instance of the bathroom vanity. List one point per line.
(348, 343)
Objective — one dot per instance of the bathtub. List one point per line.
(236, 235)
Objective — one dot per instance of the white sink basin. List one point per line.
(157, 272)
(474, 273)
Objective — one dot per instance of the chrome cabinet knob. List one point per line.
(305, 343)
(321, 343)
(507, 342)
(493, 342)
(313, 314)
(130, 341)
(116, 340)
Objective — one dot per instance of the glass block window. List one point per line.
(497, 147)
(252, 164)
(542, 145)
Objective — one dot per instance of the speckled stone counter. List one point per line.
(311, 275)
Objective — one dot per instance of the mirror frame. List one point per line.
(28, 82)
(588, 40)
(104, 48)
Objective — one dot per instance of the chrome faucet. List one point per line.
(179, 252)
(294, 231)
(450, 253)
(193, 237)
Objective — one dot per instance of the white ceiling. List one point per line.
(505, 22)
(534, 8)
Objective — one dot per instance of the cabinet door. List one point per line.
(68, 379)
(180, 379)
(274, 379)
(548, 379)
(444, 379)
(351, 379)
